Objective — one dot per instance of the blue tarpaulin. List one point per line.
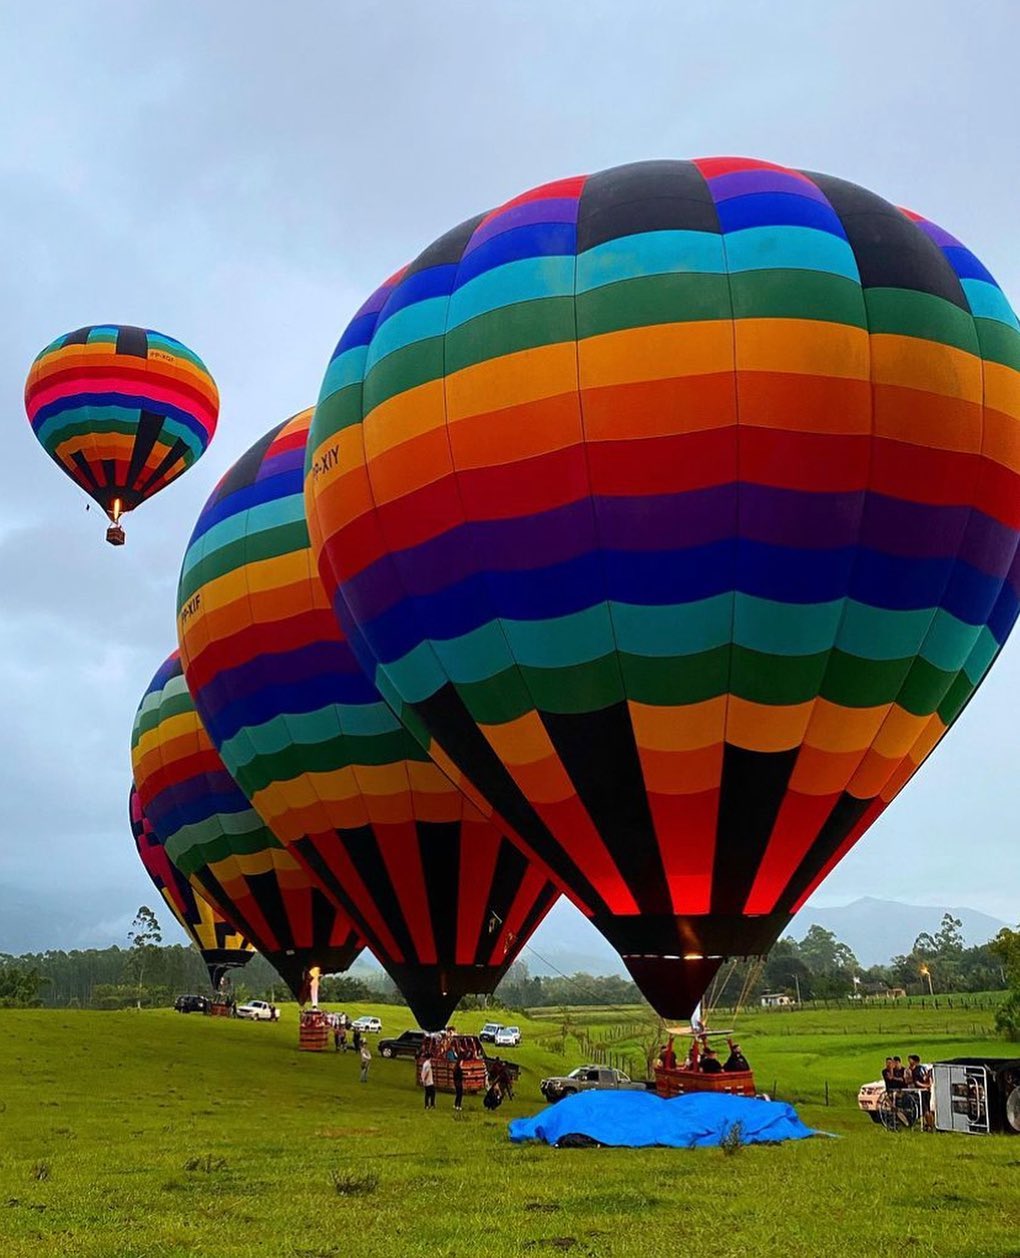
(639, 1119)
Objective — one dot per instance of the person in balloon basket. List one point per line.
(736, 1060)
(709, 1063)
(366, 1058)
(428, 1083)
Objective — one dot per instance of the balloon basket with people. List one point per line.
(445, 1050)
(702, 1069)
(314, 1031)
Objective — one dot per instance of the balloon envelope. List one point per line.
(123, 410)
(680, 503)
(443, 899)
(220, 946)
(216, 839)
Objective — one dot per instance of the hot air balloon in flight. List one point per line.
(220, 844)
(123, 410)
(444, 900)
(679, 503)
(220, 946)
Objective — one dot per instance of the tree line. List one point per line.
(819, 966)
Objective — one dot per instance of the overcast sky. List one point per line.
(241, 174)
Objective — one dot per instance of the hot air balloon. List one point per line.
(220, 946)
(680, 504)
(220, 844)
(443, 899)
(123, 410)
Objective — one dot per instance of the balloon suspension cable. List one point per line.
(717, 987)
(754, 971)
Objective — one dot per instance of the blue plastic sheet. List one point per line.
(639, 1119)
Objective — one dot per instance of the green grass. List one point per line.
(145, 1134)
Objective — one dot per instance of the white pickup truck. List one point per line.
(590, 1078)
(258, 1011)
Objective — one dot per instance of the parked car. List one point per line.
(588, 1079)
(489, 1032)
(366, 1024)
(192, 1004)
(406, 1044)
(508, 1037)
(258, 1011)
(869, 1098)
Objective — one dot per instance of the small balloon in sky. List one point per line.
(123, 410)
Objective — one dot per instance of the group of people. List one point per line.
(703, 1057)
(447, 1053)
(914, 1074)
(359, 1042)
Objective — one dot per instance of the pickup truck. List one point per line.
(589, 1078)
(258, 1011)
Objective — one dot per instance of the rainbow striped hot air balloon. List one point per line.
(220, 946)
(216, 840)
(680, 503)
(123, 410)
(445, 901)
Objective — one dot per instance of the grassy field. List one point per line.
(137, 1134)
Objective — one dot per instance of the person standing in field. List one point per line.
(920, 1078)
(366, 1058)
(428, 1083)
(458, 1083)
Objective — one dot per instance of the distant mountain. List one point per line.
(567, 943)
(877, 930)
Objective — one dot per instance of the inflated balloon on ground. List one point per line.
(443, 899)
(220, 946)
(216, 839)
(679, 502)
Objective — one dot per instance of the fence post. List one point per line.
(826, 1092)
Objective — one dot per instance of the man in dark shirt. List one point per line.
(736, 1059)
(710, 1064)
(899, 1074)
(920, 1078)
(887, 1075)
